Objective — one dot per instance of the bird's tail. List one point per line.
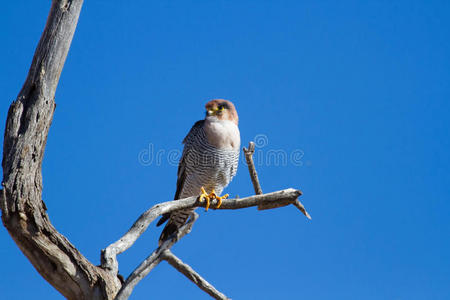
(176, 221)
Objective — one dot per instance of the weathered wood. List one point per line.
(23, 211)
(109, 255)
(153, 260)
(193, 276)
(248, 153)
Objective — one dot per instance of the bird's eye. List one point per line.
(221, 108)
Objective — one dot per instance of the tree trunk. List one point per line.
(23, 211)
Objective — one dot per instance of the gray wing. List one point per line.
(181, 174)
(187, 149)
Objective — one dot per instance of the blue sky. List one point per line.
(359, 88)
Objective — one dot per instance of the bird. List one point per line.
(208, 163)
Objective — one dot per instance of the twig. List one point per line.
(153, 260)
(193, 276)
(251, 167)
(300, 206)
(258, 191)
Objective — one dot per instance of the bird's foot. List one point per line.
(204, 196)
(213, 195)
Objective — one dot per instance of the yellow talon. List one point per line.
(204, 195)
(219, 199)
(212, 194)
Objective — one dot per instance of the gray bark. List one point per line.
(248, 152)
(274, 200)
(193, 276)
(153, 260)
(109, 255)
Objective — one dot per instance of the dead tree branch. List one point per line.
(248, 152)
(193, 276)
(109, 255)
(109, 259)
(153, 260)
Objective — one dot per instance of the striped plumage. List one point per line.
(210, 160)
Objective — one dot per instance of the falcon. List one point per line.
(208, 163)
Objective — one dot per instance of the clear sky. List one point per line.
(354, 94)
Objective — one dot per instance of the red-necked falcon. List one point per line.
(209, 160)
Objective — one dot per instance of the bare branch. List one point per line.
(193, 276)
(258, 191)
(153, 260)
(300, 206)
(109, 255)
(251, 167)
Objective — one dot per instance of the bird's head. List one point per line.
(222, 110)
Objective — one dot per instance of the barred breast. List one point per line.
(207, 166)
